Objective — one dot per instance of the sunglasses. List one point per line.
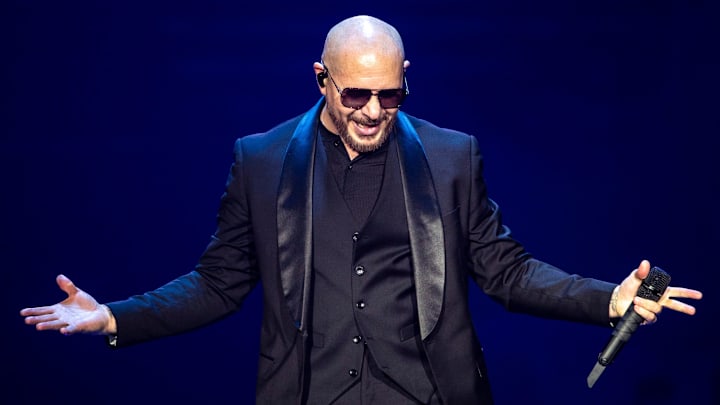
(353, 97)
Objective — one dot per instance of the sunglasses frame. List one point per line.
(378, 93)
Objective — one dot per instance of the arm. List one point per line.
(509, 274)
(224, 276)
(226, 273)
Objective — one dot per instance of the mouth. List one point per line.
(366, 129)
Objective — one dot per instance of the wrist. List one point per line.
(612, 307)
(111, 325)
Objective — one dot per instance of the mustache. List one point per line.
(370, 122)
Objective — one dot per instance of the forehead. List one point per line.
(368, 70)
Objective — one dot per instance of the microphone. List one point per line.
(652, 288)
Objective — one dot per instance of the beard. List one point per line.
(355, 144)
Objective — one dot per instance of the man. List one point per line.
(364, 225)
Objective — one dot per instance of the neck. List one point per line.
(330, 126)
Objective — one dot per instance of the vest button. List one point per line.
(355, 236)
(359, 270)
(353, 372)
(357, 339)
(360, 304)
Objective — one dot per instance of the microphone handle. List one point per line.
(621, 334)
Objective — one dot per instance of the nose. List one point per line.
(372, 109)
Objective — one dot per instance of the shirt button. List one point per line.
(360, 270)
(356, 236)
(353, 372)
(357, 339)
(360, 304)
(336, 143)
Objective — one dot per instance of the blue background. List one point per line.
(598, 122)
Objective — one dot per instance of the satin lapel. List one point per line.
(294, 217)
(427, 243)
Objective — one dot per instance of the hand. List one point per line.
(78, 313)
(649, 309)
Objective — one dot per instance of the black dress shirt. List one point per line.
(359, 179)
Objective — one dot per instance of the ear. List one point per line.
(320, 75)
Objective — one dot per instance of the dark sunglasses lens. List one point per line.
(391, 98)
(355, 98)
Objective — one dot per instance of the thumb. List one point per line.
(643, 270)
(66, 285)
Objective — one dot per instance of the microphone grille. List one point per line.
(654, 284)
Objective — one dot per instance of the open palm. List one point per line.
(78, 313)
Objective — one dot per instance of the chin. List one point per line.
(362, 144)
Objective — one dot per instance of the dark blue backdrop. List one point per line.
(598, 124)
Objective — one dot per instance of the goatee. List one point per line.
(352, 143)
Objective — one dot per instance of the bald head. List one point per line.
(363, 53)
(362, 40)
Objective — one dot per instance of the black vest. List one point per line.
(363, 293)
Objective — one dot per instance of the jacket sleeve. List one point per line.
(222, 279)
(507, 273)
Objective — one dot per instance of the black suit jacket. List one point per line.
(264, 234)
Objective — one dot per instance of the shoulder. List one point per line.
(436, 139)
(427, 127)
(276, 137)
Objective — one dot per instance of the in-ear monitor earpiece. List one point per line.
(321, 78)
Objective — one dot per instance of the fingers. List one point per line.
(666, 300)
(51, 325)
(682, 292)
(34, 320)
(36, 311)
(679, 306)
(44, 318)
(49, 321)
(647, 305)
(647, 309)
(65, 284)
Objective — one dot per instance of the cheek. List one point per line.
(340, 110)
(389, 116)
